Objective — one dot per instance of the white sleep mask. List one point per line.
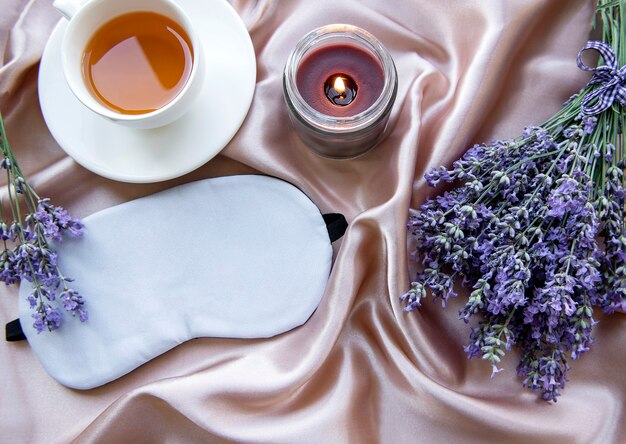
(232, 257)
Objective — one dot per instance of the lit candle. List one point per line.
(340, 89)
(335, 76)
(340, 84)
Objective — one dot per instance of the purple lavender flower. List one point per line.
(4, 232)
(47, 319)
(54, 221)
(27, 254)
(73, 302)
(589, 124)
(521, 230)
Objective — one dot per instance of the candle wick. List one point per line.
(340, 89)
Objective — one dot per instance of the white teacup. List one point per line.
(85, 18)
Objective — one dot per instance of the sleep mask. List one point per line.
(231, 257)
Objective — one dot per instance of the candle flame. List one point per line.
(339, 86)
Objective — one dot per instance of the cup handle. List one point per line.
(67, 7)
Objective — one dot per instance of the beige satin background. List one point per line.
(360, 370)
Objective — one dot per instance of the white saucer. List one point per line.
(134, 155)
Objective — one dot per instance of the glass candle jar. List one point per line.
(339, 85)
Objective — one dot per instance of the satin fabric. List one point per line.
(360, 370)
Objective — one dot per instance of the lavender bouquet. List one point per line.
(26, 253)
(536, 227)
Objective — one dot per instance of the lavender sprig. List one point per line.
(536, 229)
(26, 253)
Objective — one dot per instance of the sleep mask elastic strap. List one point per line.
(14, 331)
(336, 224)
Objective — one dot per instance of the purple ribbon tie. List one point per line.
(610, 76)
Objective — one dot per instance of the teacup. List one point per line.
(131, 81)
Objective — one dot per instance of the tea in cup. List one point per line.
(135, 62)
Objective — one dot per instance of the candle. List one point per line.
(339, 85)
(340, 80)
